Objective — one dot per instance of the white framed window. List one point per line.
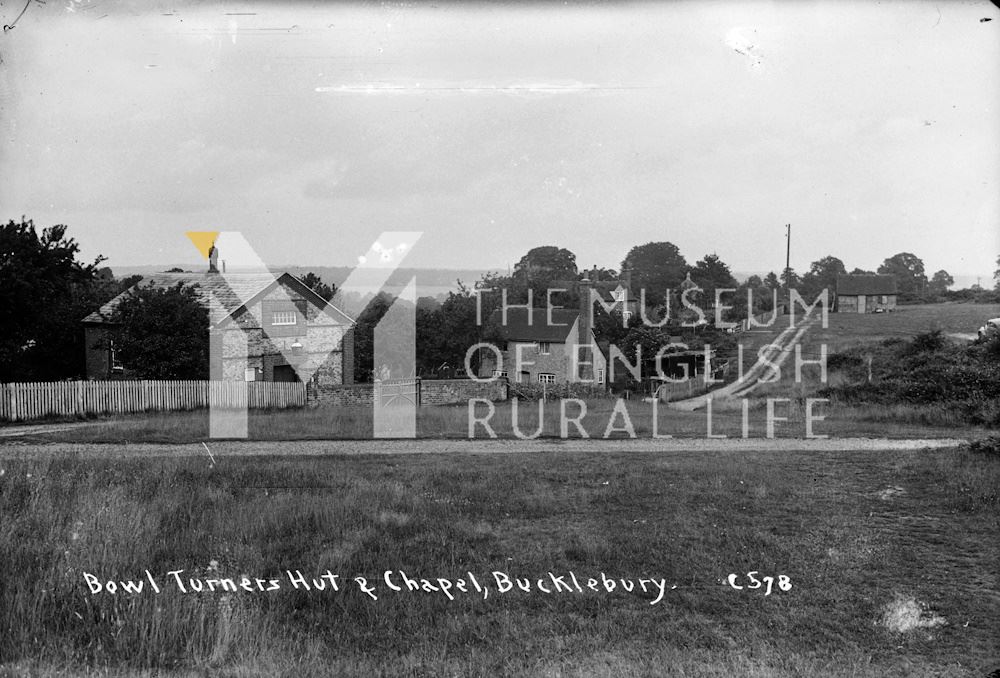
(884, 299)
(546, 378)
(626, 315)
(283, 318)
(499, 373)
(600, 375)
(544, 347)
(620, 294)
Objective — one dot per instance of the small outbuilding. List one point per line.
(866, 293)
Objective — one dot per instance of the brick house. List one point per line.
(268, 329)
(546, 340)
(866, 293)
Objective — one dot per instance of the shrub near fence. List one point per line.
(27, 401)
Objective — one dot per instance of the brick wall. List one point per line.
(432, 392)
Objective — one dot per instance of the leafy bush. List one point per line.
(927, 342)
(925, 371)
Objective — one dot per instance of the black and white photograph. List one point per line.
(476, 339)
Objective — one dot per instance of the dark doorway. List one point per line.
(285, 373)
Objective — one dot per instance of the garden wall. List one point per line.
(432, 392)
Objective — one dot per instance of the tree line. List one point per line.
(46, 290)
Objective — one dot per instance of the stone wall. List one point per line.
(448, 391)
(432, 392)
(337, 395)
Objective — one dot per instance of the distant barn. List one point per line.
(866, 293)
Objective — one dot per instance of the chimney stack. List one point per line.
(584, 336)
(627, 278)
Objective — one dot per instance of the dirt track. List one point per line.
(17, 450)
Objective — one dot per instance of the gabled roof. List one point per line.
(851, 285)
(291, 281)
(518, 329)
(228, 290)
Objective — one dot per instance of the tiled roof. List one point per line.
(226, 290)
(852, 285)
(518, 329)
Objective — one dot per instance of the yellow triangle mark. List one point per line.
(203, 240)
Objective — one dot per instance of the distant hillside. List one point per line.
(430, 281)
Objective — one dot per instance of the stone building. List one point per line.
(261, 328)
(538, 345)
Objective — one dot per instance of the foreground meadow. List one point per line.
(509, 420)
(891, 558)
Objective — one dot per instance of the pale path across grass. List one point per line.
(37, 429)
(779, 350)
(225, 448)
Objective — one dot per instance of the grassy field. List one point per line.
(850, 329)
(326, 423)
(891, 557)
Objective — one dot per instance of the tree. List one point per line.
(756, 289)
(44, 293)
(542, 265)
(364, 336)
(789, 278)
(941, 281)
(655, 267)
(771, 281)
(996, 276)
(598, 273)
(823, 275)
(612, 327)
(540, 269)
(446, 332)
(909, 272)
(316, 284)
(162, 333)
(861, 271)
(712, 273)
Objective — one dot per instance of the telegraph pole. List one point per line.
(788, 251)
(788, 265)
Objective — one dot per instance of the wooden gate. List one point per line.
(389, 392)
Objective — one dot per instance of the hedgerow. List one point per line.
(929, 370)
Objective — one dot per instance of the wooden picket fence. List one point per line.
(27, 401)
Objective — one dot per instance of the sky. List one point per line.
(493, 128)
